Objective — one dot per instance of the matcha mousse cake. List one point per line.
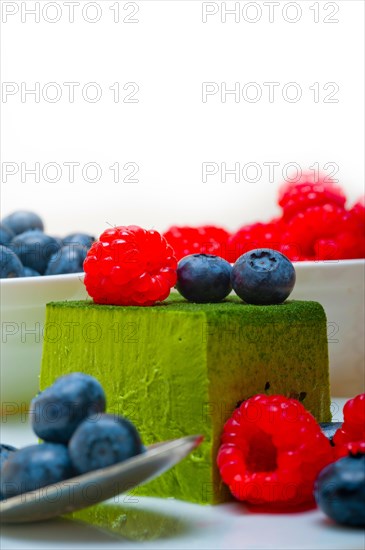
(180, 368)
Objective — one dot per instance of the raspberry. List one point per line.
(354, 412)
(343, 246)
(272, 450)
(129, 265)
(353, 448)
(206, 239)
(256, 235)
(357, 214)
(351, 435)
(307, 228)
(295, 197)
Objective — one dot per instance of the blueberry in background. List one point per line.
(263, 276)
(10, 265)
(29, 272)
(22, 220)
(340, 490)
(203, 278)
(79, 238)
(34, 249)
(59, 241)
(5, 452)
(329, 429)
(58, 410)
(103, 442)
(6, 235)
(69, 259)
(34, 467)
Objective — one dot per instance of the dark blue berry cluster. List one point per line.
(78, 436)
(261, 276)
(26, 251)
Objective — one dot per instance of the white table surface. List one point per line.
(179, 524)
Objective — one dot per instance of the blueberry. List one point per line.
(22, 221)
(10, 265)
(103, 442)
(329, 429)
(59, 241)
(59, 409)
(29, 272)
(69, 259)
(263, 276)
(5, 452)
(79, 238)
(34, 467)
(35, 249)
(340, 490)
(6, 235)
(203, 278)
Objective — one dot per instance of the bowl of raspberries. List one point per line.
(315, 224)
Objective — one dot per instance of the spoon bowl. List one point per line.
(96, 486)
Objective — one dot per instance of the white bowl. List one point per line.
(338, 286)
(23, 306)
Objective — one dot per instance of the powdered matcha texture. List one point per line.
(179, 368)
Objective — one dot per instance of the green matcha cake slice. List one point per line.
(179, 368)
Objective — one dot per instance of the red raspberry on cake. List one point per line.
(272, 451)
(295, 197)
(129, 265)
(205, 239)
(350, 438)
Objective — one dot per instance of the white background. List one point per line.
(170, 132)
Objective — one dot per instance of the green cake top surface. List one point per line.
(293, 310)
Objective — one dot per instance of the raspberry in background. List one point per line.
(357, 214)
(344, 246)
(350, 438)
(272, 451)
(318, 226)
(308, 191)
(255, 235)
(130, 265)
(317, 222)
(315, 225)
(205, 239)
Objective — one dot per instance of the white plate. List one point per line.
(179, 525)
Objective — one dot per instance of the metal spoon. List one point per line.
(96, 486)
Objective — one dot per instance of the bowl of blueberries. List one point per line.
(35, 268)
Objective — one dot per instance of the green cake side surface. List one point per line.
(179, 368)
